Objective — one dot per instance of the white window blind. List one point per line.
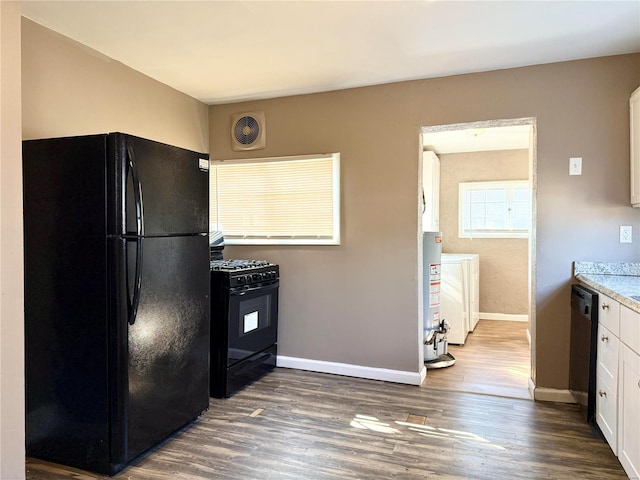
(286, 200)
(494, 209)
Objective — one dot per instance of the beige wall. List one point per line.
(504, 262)
(358, 303)
(11, 271)
(69, 89)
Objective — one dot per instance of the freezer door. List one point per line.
(158, 189)
(162, 352)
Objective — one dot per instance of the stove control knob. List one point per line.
(241, 279)
(256, 276)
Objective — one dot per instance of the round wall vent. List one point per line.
(248, 131)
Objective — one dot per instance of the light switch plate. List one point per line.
(625, 233)
(575, 166)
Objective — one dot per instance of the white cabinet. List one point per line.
(607, 355)
(629, 393)
(634, 107)
(609, 313)
(607, 385)
(629, 412)
(618, 380)
(430, 192)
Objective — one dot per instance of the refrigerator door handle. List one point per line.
(137, 193)
(134, 301)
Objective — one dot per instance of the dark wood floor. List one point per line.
(301, 425)
(494, 360)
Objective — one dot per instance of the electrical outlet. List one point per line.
(625, 233)
(575, 166)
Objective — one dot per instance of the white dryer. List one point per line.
(459, 294)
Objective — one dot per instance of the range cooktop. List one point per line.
(237, 265)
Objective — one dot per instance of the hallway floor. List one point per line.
(494, 360)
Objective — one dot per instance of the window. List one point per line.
(286, 200)
(494, 209)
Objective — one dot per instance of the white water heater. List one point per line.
(435, 328)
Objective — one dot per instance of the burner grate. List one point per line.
(235, 265)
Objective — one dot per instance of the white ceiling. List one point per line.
(477, 139)
(228, 51)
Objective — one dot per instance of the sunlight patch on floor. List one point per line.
(367, 422)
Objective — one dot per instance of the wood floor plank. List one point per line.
(318, 427)
(495, 360)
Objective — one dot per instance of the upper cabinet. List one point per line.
(634, 107)
(431, 192)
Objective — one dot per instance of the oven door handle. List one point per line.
(244, 291)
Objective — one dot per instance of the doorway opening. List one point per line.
(494, 340)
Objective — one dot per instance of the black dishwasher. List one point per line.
(584, 333)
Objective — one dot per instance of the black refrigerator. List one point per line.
(116, 296)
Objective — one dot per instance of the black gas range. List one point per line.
(244, 323)
(245, 272)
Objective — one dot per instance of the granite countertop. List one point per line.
(620, 281)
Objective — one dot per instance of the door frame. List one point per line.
(532, 275)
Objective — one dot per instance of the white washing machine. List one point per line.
(473, 283)
(459, 294)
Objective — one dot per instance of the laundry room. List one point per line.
(477, 193)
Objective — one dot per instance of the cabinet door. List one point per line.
(634, 106)
(629, 412)
(607, 358)
(431, 192)
(607, 412)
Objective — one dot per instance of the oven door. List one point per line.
(253, 320)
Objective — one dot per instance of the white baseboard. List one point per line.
(553, 395)
(359, 371)
(532, 388)
(511, 317)
(400, 376)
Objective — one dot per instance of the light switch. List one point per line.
(625, 233)
(575, 166)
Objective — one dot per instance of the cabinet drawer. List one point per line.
(607, 358)
(630, 328)
(607, 413)
(609, 313)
